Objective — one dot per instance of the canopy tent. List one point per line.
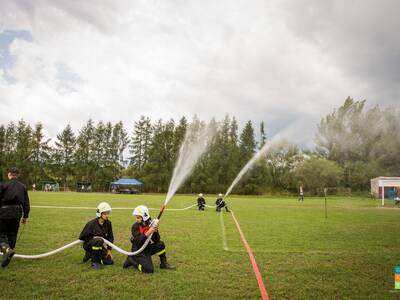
(127, 182)
(125, 186)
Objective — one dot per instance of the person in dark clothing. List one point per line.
(201, 202)
(220, 203)
(92, 235)
(14, 204)
(141, 229)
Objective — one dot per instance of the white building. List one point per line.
(380, 186)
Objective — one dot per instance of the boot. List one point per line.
(129, 262)
(164, 264)
(226, 209)
(95, 265)
(8, 253)
(86, 257)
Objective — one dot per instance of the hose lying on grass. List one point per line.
(35, 256)
(78, 242)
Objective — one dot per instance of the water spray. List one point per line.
(197, 140)
(290, 131)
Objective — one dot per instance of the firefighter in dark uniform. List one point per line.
(220, 203)
(92, 234)
(201, 202)
(141, 229)
(14, 204)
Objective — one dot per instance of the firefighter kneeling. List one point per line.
(220, 203)
(92, 235)
(141, 229)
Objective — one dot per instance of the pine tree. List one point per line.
(64, 155)
(263, 135)
(84, 166)
(40, 155)
(23, 150)
(2, 151)
(247, 143)
(140, 143)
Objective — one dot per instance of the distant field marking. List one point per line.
(114, 208)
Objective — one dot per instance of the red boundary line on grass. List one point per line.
(260, 282)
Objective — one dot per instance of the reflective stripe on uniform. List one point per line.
(161, 252)
(96, 248)
(140, 267)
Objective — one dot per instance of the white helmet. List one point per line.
(219, 195)
(142, 211)
(200, 195)
(102, 207)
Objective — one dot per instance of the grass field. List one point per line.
(301, 255)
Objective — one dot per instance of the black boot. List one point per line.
(226, 209)
(96, 265)
(8, 253)
(164, 264)
(130, 262)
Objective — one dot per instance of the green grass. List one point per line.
(301, 255)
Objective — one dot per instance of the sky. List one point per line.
(287, 63)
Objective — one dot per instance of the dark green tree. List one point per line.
(64, 157)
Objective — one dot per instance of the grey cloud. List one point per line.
(273, 61)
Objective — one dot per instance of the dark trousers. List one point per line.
(221, 206)
(97, 252)
(201, 206)
(8, 232)
(143, 260)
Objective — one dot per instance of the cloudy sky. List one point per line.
(287, 63)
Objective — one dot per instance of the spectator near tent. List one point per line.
(127, 186)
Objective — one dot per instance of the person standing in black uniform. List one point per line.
(201, 202)
(141, 230)
(14, 204)
(220, 203)
(92, 235)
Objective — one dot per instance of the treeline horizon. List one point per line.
(353, 145)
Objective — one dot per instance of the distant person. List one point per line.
(141, 230)
(301, 194)
(14, 204)
(33, 187)
(201, 202)
(220, 203)
(92, 234)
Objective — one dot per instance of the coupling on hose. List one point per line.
(154, 223)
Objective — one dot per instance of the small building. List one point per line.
(385, 187)
(50, 186)
(84, 187)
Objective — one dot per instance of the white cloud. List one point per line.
(117, 60)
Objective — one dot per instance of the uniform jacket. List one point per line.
(14, 200)
(139, 235)
(94, 228)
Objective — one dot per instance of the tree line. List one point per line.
(353, 145)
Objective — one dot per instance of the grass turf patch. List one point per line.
(301, 255)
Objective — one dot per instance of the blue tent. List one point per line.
(127, 182)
